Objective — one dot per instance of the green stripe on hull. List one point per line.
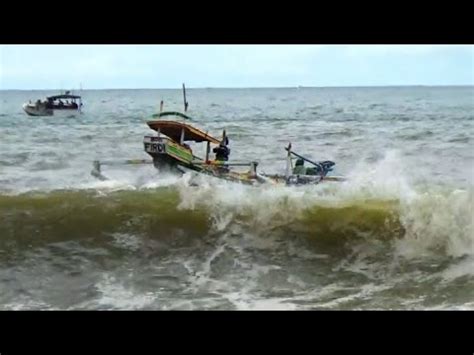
(178, 153)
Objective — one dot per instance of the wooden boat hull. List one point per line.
(168, 155)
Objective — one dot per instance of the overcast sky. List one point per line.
(167, 66)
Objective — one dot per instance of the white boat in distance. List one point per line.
(55, 106)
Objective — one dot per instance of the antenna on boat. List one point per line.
(80, 99)
(184, 98)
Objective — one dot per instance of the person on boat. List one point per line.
(222, 152)
(299, 168)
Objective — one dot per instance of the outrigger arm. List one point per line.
(302, 157)
(96, 172)
(323, 170)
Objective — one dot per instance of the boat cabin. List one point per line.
(172, 136)
(63, 102)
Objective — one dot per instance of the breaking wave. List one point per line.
(435, 220)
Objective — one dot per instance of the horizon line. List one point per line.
(249, 87)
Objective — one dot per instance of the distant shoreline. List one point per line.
(259, 88)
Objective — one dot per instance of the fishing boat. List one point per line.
(58, 105)
(170, 151)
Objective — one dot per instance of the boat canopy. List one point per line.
(171, 113)
(173, 130)
(64, 96)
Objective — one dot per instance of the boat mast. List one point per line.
(184, 98)
(185, 109)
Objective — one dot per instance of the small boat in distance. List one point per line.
(55, 106)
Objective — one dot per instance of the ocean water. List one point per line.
(398, 234)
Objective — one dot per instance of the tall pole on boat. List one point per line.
(288, 162)
(208, 150)
(184, 97)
